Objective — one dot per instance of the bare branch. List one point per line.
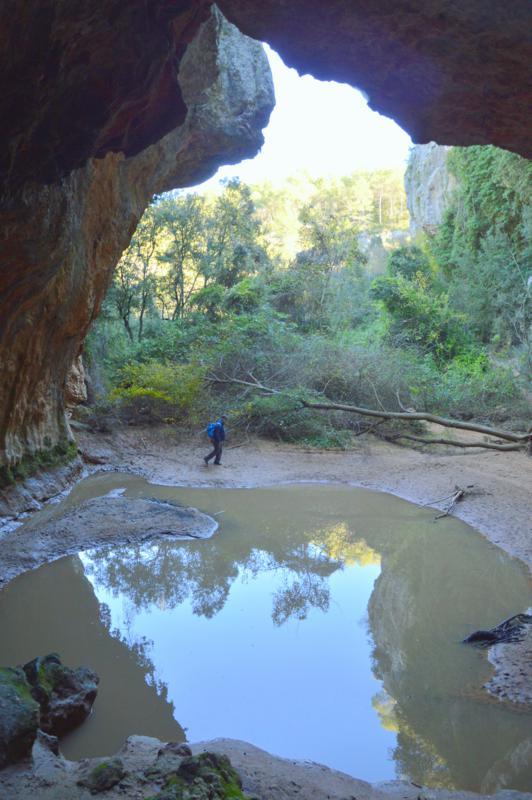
(422, 417)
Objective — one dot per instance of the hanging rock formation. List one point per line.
(61, 241)
(429, 186)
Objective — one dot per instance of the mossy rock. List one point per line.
(65, 695)
(103, 776)
(207, 776)
(19, 716)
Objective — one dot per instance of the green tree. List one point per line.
(181, 221)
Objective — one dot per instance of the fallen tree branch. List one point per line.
(407, 416)
(443, 499)
(422, 417)
(456, 443)
(371, 427)
(457, 495)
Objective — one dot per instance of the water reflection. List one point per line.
(449, 733)
(55, 608)
(257, 634)
(166, 574)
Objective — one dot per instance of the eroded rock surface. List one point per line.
(19, 716)
(61, 241)
(43, 696)
(96, 523)
(148, 769)
(65, 695)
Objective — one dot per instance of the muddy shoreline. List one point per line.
(497, 504)
(498, 485)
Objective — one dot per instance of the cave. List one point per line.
(105, 106)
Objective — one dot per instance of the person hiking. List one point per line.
(216, 433)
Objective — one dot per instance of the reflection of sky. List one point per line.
(301, 690)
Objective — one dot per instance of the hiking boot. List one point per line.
(218, 463)
(206, 461)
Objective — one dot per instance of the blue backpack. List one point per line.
(210, 429)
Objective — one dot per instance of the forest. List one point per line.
(315, 290)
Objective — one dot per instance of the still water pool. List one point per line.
(320, 622)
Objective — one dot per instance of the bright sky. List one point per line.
(320, 127)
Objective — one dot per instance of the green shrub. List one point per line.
(408, 262)
(470, 387)
(152, 391)
(421, 317)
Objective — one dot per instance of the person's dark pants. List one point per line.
(216, 453)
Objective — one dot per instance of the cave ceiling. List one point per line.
(80, 80)
(451, 71)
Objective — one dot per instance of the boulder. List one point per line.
(103, 776)
(65, 695)
(19, 716)
(207, 776)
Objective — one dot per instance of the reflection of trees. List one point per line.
(415, 758)
(167, 574)
(139, 647)
(63, 614)
(340, 543)
(430, 586)
(296, 599)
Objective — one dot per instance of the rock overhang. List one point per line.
(81, 81)
(452, 71)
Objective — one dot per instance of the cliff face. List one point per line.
(61, 241)
(81, 79)
(429, 186)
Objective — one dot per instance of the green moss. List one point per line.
(103, 776)
(207, 775)
(232, 791)
(100, 769)
(62, 453)
(44, 679)
(16, 679)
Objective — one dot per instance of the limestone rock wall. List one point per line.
(429, 186)
(60, 242)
